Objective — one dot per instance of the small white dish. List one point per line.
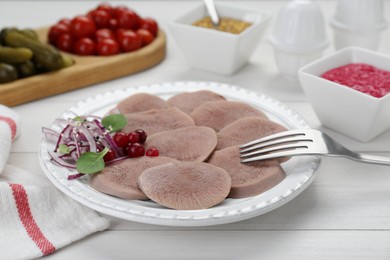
(214, 50)
(300, 170)
(341, 108)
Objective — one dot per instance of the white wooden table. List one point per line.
(344, 214)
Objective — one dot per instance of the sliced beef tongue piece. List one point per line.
(188, 101)
(219, 114)
(121, 179)
(140, 102)
(193, 143)
(245, 130)
(249, 179)
(154, 121)
(186, 185)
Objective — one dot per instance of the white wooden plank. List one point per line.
(193, 244)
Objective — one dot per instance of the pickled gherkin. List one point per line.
(29, 33)
(8, 73)
(45, 55)
(15, 55)
(22, 55)
(26, 69)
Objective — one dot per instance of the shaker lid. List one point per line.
(299, 27)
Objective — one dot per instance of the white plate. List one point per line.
(300, 170)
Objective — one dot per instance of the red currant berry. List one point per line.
(152, 151)
(136, 150)
(142, 135)
(120, 139)
(133, 137)
(126, 149)
(110, 155)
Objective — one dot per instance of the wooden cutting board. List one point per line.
(86, 71)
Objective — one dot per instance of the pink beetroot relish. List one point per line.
(361, 77)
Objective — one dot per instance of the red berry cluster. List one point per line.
(106, 30)
(132, 145)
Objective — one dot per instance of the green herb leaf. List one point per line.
(79, 119)
(114, 122)
(64, 149)
(91, 162)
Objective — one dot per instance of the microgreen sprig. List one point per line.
(114, 122)
(90, 162)
(64, 149)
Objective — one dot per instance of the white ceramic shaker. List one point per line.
(298, 36)
(359, 23)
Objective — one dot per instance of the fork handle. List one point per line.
(368, 158)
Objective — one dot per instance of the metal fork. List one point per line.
(302, 142)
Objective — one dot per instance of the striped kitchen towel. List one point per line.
(9, 130)
(36, 219)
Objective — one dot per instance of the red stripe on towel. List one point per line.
(11, 124)
(28, 221)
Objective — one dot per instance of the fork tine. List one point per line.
(277, 155)
(279, 141)
(272, 149)
(274, 136)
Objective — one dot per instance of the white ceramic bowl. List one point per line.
(217, 51)
(341, 108)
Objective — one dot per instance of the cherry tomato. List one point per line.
(127, 19)
(55, 32)
(104, 34)
(113, 24)
(120, 32)
(146, 36)
(106, 7)
(65, 42)
(118, 10)
(129, 41)
(82, 26)
(90, 14)
(150, 25)
(101, 18)
(65, 21)
(84, 46)
(107, 47)
(138, 23)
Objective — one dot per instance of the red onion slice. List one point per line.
(54, 156)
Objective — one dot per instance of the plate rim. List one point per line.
(177, 219)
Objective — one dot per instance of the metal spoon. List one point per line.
(212, 11)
